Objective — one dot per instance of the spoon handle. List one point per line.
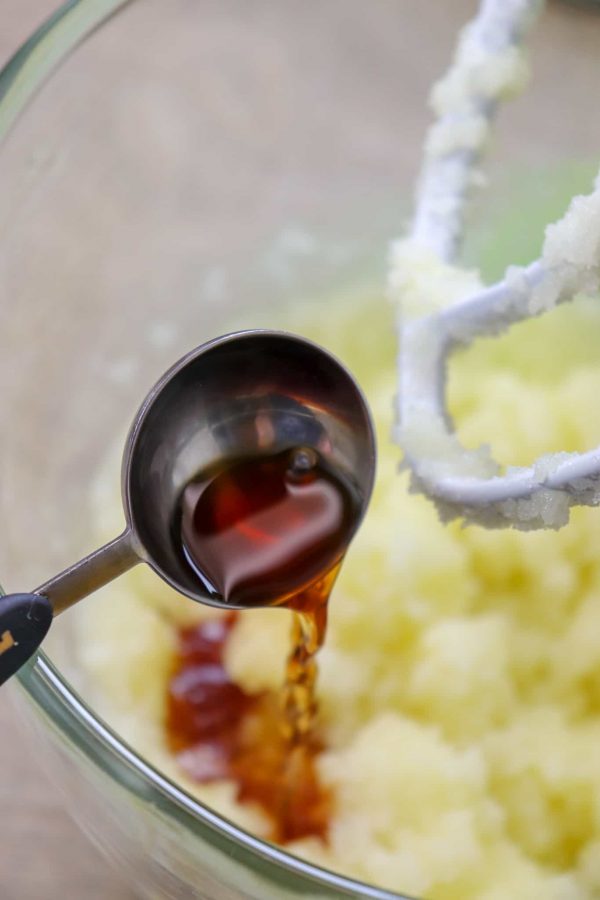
(24, 623)
(26, 618)
(90, 573)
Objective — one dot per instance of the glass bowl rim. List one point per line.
(20, 78)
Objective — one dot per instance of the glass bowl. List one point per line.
(188, 165)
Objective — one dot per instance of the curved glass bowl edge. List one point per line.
(53, 698)
(57, 703)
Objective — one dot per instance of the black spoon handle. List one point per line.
(24, 623)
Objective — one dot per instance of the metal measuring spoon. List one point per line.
(243, 393)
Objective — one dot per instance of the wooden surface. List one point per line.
(43, 855)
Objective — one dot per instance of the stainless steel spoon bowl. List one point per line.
(243, 393)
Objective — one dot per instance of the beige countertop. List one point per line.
(43, 854)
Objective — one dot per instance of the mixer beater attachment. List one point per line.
(443, 306)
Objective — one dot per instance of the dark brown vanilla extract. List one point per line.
(269, 530)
